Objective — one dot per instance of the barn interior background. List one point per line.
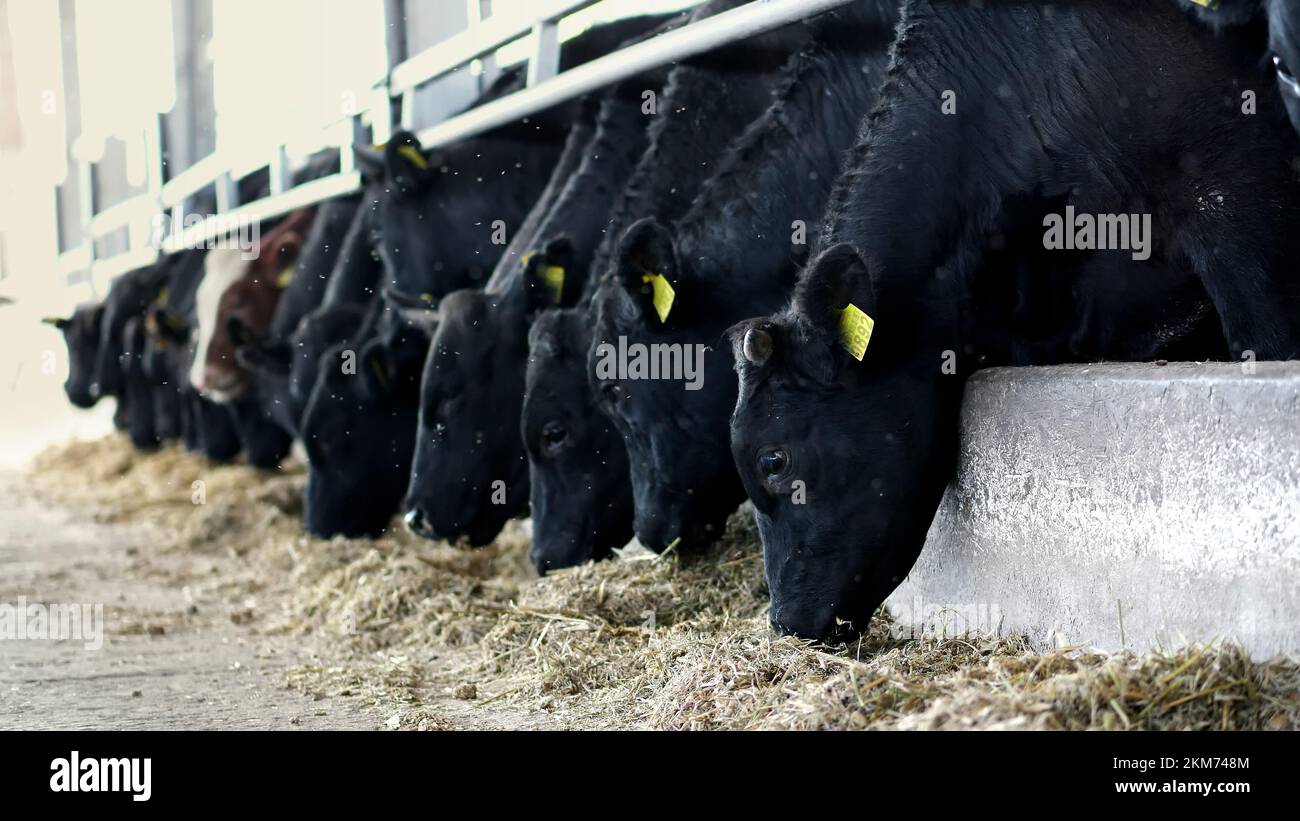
(107, 122)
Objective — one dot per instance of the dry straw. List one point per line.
(435, 637)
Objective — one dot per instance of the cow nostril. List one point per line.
(415, 521)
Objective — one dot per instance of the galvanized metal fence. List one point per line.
(390, 105)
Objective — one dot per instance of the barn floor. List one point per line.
(171, 662)
(174, 658)
(221, 613)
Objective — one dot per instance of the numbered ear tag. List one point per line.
(283, 279)
(553, 278)
(663, 294)
(413, 156)
(855, 330)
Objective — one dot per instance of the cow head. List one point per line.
(673, 422)
(358, 427)
(81, 335)
(129, 296)
(469, 474)
(578, 472)
(213, 372)
(236, 302)
(419, 227)
(844, 460)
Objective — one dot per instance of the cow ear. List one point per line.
(399, 299)
(835, 280)
(369, 161)
(548, 275)
(62, 323)
(418, 311)
(170, 326)
(647, 268)
(404, 161)
(753, 342)
(271, 357)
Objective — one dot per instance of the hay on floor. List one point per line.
(412, 627)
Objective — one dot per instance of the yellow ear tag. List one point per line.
(855, 330)
(286, 276)
(553, 277)
(413, 156)
(663, 294)
(1212, 5)
(426, 297)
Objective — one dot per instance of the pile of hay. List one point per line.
(413, 628)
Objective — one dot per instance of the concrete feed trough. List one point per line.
(1134, 506)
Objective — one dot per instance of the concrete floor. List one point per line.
(165, 663)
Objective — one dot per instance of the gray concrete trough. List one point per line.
(1121, 505)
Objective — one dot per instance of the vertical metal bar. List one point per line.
(86, 188)
(545, 61)
(142, 230)
(227, 192)
(480, 10)
(395, 109)
(278, 168)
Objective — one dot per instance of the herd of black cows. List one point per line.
(849, 212)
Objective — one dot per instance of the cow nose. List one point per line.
(807, 622)
(417, 522)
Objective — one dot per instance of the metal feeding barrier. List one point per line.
(163, 203)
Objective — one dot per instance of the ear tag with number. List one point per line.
(855, 330)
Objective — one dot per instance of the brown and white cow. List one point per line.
(245, 290)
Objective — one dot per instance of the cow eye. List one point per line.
(611, 392)
(554, 435)
(772, 462)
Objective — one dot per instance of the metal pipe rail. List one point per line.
(544, 90)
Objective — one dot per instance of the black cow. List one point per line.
(144, 426)
(578, 469)
(81, 335)
(129, 296)
(937, 233)
(735, 250)
(434, 229)
(169, 353)
(469, 472)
